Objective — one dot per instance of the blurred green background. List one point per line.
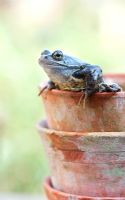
(92, 30)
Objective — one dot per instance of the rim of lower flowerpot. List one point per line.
(42, 126)
(54, 194)
(72, 159)
(83, 141)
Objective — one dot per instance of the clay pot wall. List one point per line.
(85, 144)
(53, 194)
(67, 111)
(90, 164)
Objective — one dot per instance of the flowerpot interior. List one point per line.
(89, 164)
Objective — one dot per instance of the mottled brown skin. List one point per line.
(69, 73)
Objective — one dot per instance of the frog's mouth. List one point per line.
(44, 62)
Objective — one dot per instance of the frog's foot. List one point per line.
(104, 87)
(49, 86)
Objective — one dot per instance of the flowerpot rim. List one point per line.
(43, 127)
(48, 187)
(79, 94)
(74, 93)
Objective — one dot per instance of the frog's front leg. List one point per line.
(49, 86)
(91, 74)
(104, 87)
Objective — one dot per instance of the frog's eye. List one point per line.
(57, 55)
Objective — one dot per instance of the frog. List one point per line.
(67, 72)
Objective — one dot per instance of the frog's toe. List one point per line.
(115, 87)
(103, 87)
(49, 86)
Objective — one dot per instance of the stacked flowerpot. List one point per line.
(85, 144)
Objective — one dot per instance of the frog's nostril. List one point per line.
(45, 52)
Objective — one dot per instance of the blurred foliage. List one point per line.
(26, 28)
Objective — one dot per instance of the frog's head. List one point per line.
(59, 64)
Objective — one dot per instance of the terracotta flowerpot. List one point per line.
(53, 194)
(102, 111)
(89, 164)
(116, 78)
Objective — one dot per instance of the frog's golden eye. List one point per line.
(57, 55)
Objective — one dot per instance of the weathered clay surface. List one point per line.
(53, 194)
(102, 112)
(89, 164)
